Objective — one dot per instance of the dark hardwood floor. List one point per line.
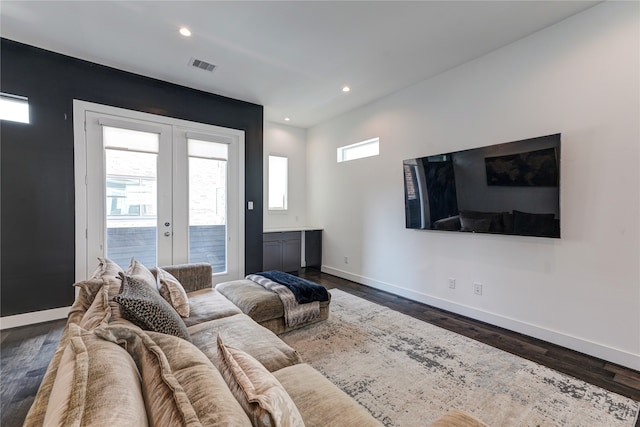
(25, 352)
(610, 376)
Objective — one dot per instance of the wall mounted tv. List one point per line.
(511, 188)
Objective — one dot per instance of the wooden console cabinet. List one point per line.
(282, 250)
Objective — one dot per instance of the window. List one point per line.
(14, 108)
(359, 150)
(278, 177)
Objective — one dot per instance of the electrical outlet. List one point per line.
(346, 260)
(452, 283)
(477, 288)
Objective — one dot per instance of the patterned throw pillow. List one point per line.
(173, 291)
(260, 394)
(145, 307)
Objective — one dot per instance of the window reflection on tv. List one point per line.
(510, 188)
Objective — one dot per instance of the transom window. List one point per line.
(359, 150)
(14, 108)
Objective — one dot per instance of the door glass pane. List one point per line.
(208, 203)
(131, 204)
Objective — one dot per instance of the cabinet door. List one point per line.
(291, 249)
(272, 255)
(313, 248)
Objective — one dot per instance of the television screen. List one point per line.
(509, 188)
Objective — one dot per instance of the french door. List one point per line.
(163, 190)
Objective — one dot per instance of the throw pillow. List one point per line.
(475, 225)
(99, 312)
(173, 291)
(86, 391)
(89, 288)
(106, 267)
(138, 271)
(181, 386)
(145, 307)
(260, 394)
(531, 224)
(496, 224)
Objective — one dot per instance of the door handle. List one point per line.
(167, 233)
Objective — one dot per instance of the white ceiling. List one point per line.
(291, 57)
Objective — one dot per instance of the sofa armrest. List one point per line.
(193, 277)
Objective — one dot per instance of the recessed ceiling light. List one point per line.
(286, 119)
(185, 31)
(346, 89)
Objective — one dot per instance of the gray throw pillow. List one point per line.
(145, 308)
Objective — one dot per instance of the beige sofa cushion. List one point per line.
(87, 388)
(99, 312)
(89, 288)
(260, 394)
(208, 304)
(138, 271)
(241, 332)
(319, 401)
(255, 301)
(172, 291)
(106, 267)
(35, 416)
(455, 418)
(193, 276)
(181, 386)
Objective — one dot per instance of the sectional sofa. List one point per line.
(126, 358)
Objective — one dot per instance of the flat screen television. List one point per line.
(510, 188)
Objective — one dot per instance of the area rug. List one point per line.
(408, 373)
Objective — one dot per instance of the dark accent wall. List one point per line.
(37, 237)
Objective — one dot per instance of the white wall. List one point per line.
(580, 78)
(288, 141)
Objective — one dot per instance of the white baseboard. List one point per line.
(7, 322)
(610, 354)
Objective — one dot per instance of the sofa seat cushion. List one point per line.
(241, 332)
(208, 304)
(254, 300)
(181, 386)
(320, 402)
(87, 388)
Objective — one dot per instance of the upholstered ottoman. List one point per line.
(263, 305)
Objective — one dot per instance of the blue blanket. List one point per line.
(304, 290)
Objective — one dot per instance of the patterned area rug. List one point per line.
(408, 373)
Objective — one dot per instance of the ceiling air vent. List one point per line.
(203, 65)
